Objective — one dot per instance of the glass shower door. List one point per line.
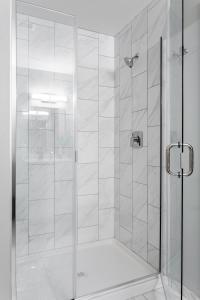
(45, 176)
(172, 141)
(191, 186)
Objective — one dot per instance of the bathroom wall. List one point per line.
(137, 177)
(95, 136)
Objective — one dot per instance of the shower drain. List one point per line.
(81, 274)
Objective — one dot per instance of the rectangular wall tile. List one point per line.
(106, 193)
(106, 45)
(154, 65)
(154, 186)
(40, 243)
(22, 130)
(140, 47)
(125, 44)
(41, 217)
(87, 179)
(153, 256)
(87, 115)
(126, 180)
(41, 146)
(126, 114)
(88, 234)
(106, 223)
(126, 213)
(106, 71)
(106, 102)
(154, 227)
(140, 165)
(140, 92)
(87, 52)
(21, 165)
(63, 197)
(87, 211)
(125, 148)
(125, 82)
(154, 106)
(22, 93)
(154, 146)
(140, 202)
(125, 237)
(41, 182)
(139, 25)
(88, 147)
(87, 84)
(106, 163)
(156, 22)
(63, 230)
(22, 238)
(22, 57)
(64, 163)
(64, 36)
(106, 132)
(139, 242)
(22, 26)
(63, 130)
(21, 202)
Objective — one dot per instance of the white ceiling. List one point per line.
(105, 16)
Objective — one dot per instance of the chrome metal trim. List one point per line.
(13, 145)
(191, 160)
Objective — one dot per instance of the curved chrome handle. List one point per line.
(168, 159)
(191, 160)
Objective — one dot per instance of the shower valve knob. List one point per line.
(136, 140)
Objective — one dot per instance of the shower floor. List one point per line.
(100, 266)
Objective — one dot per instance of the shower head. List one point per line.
(129, 61)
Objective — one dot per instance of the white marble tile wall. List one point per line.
(45, 136)
(137, 172)
(118, 192)
(95, 136)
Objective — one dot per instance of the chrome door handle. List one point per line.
(191, 160)
(168, 159)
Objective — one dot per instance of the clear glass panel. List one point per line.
(191, 187)
(172, 133)
(45, 154)
(118, 185)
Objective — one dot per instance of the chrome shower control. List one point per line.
(136, 140)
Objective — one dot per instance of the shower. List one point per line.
(129, 61)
